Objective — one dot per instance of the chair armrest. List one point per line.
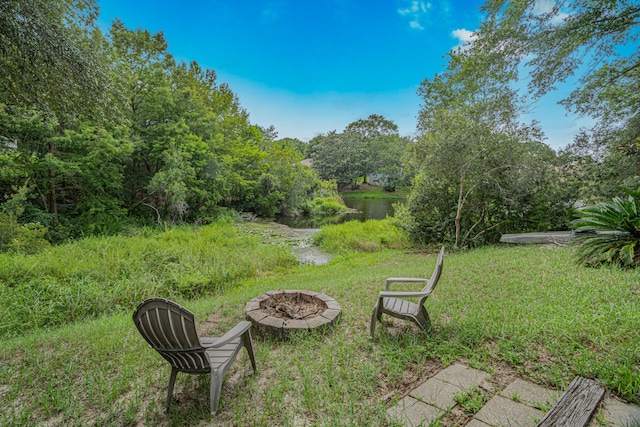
(235, 332)
(391, 280)
(389, 294)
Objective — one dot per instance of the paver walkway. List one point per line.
(521, 403)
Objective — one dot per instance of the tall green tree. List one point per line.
(340, 156)
(595, 40)
(477, 167)
(234, 161)
(594, 166)
(81, 180)
(51, 57)
(383, 143)
(141, 62)
(294, 144)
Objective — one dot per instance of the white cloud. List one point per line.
(465, 38)
(417, 11)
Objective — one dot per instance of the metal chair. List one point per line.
(171, 330)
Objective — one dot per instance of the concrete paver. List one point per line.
(500, 411)
(433, 398)
(532, 394)
(619, 414)
(476, 423)
(437, 393)
(413, 412)
(462, 376)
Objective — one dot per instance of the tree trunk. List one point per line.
(457, 221)
(53, 206)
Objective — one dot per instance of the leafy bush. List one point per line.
(325, 206)
(25, 238)
(369, 236)
(613, 232)
(15, 237)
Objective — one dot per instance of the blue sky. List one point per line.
(310, 67)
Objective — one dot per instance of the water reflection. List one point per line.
(371, 208)
(366, 209)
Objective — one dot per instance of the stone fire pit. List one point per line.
(276, 313)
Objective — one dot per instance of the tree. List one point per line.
(472, 180)
(81, 181)
(593, 167)
(478, 169)
(51, 57)
(294, 144)
(373, 127)
(340, 156)
(595, 40)
(381, 137)
(89, 173)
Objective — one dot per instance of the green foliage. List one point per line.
(26, 238)
(593, 167)
(100, 275)
(368, 236)
(479, 171)
(365, 147)
(555, 41)
(339, 157)
(179, 149)
(474, 182)
(385, 148)
(20, 238)
(617, 232)
(51, 57)
(322, 206)
(289, 186)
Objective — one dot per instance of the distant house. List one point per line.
(307, 162)
(383, 178)
(378, 179)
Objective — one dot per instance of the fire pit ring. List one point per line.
(277, 313)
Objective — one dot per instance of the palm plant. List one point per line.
(617, 232)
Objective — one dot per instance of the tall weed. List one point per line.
(368, 236)
(98, 275)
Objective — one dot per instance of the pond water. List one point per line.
(366, 209)
(301, 230)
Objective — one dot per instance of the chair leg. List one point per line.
(374, 316)
(423, 320)
(246, 341)
(172, 382)
(216, 388)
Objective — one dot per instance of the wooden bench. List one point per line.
(576, 405)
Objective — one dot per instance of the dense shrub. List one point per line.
(15, 237)
(321, 206)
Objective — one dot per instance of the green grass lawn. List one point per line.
(530, 309)
(366, 191)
